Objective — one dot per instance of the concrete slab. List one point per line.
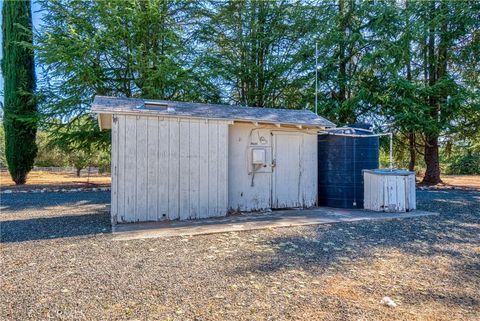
(253, 221)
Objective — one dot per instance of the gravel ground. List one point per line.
(58, 261)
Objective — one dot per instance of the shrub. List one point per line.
(468, 164)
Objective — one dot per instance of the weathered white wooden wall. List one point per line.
(389, 193)
(168, 168)
(298, 188)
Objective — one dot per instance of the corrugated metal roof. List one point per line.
(111, 105)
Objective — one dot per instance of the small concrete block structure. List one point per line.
(177, 160)
(389, 190)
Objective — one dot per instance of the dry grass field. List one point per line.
(468, 181)
(38, 179)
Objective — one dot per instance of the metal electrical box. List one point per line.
(258, 156)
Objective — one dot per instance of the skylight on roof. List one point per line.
(155, 104)
(158, 106)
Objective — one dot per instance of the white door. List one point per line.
(286, 173)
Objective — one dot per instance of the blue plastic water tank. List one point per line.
(341, 159)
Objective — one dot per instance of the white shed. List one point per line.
(176, 160)
(389, 190)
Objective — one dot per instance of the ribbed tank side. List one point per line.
(341, 160)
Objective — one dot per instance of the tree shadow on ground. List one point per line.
(426, 236)
(452, 234)
(55, 227)
(17, 202)
(329, 244)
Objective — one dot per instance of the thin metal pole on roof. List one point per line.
(316, 78)
(391, 151)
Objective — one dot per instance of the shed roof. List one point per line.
(116, 105)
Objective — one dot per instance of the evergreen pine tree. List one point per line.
(19, 83)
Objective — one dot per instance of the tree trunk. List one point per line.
(413, 156)
(411, 136)
(78, 171)
(443, 45)
(342, 63)
(409, 40)
(262, 48)
(432, 174)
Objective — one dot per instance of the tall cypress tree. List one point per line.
(19, 84)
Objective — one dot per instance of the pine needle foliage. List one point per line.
(18, 70)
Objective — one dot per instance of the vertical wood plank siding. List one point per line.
(184, 169)
(389, 193)
(152, 168)
(203, 165)
(142, 169)
(166, 168)
(173, 139)
(118, 176)
(162, 169)
(222, 195)
(194, 169)
(114, 166)
(212, 172)
(130, 167)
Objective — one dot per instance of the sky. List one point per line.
(36, 19)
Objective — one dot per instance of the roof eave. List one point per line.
(109, 110)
